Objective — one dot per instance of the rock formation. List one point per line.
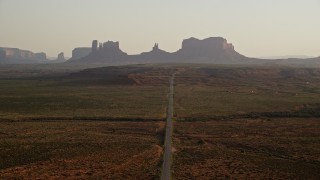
(215, 49)
(2, 54)
(210, 50)
(78, 53)
(100, 46)
(155, 47)
(111, 49)
(15, 55)
(155, 54)
(94, 46)
(61, 57)
(40, 56)
(107, 52)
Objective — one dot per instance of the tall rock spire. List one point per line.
(155, 47)
(94, 46)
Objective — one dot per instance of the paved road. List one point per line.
(166, 166)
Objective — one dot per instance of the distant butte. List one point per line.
(213, 50)
(210, 50)
(15, 55)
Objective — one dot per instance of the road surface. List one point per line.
(166, 166)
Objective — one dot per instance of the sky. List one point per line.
(256, 28)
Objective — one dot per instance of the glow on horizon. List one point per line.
(255, 27)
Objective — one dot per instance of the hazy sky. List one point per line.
(255, 27)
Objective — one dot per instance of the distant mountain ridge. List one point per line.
(210, 50)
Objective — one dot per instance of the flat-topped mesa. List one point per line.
(18, 54)
(212, 43)
(214, 49)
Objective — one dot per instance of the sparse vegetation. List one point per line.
(82, 149)
(247, 149)
(231, 122)
(240, 123)
(222, 92)
(76, 96)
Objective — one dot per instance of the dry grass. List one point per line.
(74, 149)
(210, 92)
(31, 99)
(247, 149)
(238, 149)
